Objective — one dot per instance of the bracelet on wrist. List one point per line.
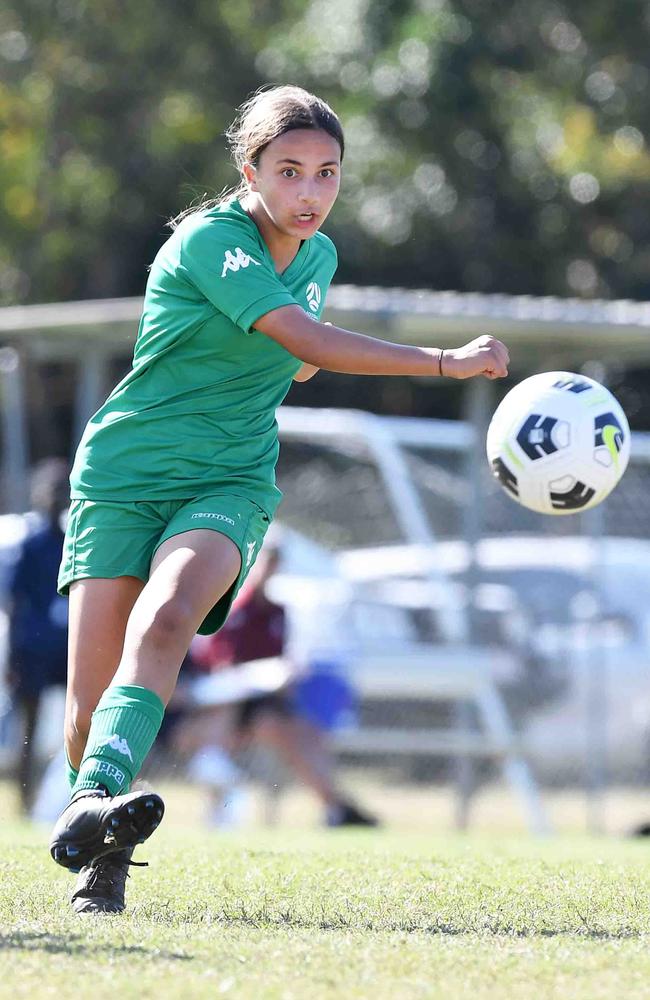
(440, 362)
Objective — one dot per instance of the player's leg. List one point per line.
(193, 577)
(190, 573)
(104, 567)
(97, 618)
(98, 613)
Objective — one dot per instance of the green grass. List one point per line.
(308, 914)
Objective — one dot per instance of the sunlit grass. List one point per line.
(302, 913)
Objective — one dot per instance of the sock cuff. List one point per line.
(122, 730)
(133, 696)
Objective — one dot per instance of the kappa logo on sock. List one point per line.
(121, 745)
(105, 767)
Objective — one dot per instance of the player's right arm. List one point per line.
(339, 350)
(226, 264)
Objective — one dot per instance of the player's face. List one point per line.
(297, 180)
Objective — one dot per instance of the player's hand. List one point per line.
(483, 356)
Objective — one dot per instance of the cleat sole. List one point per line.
(120, 824)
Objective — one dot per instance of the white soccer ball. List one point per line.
(558, 443)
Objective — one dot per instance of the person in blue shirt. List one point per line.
(38, 616)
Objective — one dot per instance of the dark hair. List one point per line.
(264, 117)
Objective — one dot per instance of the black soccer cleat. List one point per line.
(347, 814)
(94, 825)
(100, 886)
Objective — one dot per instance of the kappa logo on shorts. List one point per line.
(250, 552)
(215, 517)
(314, 296)
(233, 261)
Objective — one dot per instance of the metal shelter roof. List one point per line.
(546, 332)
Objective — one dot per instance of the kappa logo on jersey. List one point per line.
(314, 295)
(121, 745)
(250, 552)
(233, 261)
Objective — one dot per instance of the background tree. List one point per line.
(492, 146)
(497, 147)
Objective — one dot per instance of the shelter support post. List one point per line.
(92, 387)
(15, 437)
(478, 405)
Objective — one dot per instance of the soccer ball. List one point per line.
(558, 443)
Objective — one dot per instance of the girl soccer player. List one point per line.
(173, 483)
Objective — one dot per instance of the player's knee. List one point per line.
(173, 620)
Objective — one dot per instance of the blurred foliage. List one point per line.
(491, 146)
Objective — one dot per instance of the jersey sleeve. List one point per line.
(225, 262)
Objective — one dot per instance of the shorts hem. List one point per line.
(63, 584)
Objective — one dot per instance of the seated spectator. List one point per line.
(208, 735)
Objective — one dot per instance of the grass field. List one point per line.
(305, 914)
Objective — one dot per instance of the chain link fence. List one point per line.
(567, 595)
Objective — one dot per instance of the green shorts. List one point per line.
(108, 539)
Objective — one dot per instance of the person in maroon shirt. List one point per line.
(256, 629)
(256, 626)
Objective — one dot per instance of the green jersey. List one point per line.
(196, 413)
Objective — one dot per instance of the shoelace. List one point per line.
(103, 875)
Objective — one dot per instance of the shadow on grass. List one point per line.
(495, 929)
(55, 944)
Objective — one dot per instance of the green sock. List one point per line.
(122, 730)
(71, 772)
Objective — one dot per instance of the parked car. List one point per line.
(574, 608)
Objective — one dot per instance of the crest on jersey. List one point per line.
(314, 296)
